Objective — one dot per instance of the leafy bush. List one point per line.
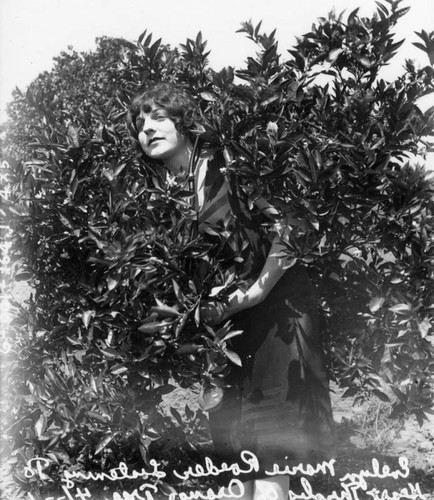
(118, 269)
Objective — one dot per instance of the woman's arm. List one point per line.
(274, 268)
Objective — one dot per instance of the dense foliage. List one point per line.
(117, 267)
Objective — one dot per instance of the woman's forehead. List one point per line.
(148, 108)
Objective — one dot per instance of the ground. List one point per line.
(364, 432)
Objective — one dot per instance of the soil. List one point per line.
(365, 432)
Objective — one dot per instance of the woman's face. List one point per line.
(158, 136)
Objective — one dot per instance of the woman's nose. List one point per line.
(149, 125)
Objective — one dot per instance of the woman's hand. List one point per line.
(214, 312)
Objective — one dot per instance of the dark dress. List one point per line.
(277, 404)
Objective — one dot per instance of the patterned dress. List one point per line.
(277, 404)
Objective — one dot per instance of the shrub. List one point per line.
(118, 269)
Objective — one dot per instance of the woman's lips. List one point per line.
(155, 139)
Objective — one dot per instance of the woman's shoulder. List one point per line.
(215, 180)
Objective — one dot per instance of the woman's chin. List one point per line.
(158, 155)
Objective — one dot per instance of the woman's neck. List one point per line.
(181, 160)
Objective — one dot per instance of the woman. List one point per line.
(277, 404)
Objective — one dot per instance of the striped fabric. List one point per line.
(277, 404)
(221, 210)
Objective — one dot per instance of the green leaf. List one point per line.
(152, 326)
(65, 221)
(23, 276)
(179, 295)
(40, 425)
(97, 416)
(398, 410)
(401, 308)
(208, 96)
(187, 348)
(144, 444)
(110, 353)
(334, 54)
(352, 391)
(381, 395)
(142, 36)
(104, 442)
(189, 413)
(232, 334)
(118, 369)
(420, 46)
(177, 415)
(86, 317)
(233, 356)
(165, 310)
(376, 303)
(365, 61)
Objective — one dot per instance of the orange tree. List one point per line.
(118, 270)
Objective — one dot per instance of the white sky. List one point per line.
(32, 32)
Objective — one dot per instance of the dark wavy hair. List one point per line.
(174, 99)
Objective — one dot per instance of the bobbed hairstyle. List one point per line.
(174, 99)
